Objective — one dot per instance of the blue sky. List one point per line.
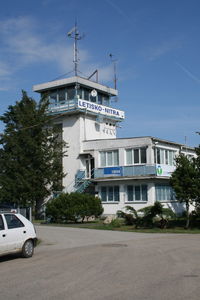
(156, 43)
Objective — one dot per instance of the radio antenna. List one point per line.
(114, 61)
(74, 34)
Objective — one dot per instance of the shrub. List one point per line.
(116, 223)
(72, 207)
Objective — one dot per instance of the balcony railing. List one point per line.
(62, 106)
(126, 171)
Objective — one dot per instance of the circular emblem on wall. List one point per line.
(93, 93)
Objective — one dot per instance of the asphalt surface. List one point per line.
(74, 264)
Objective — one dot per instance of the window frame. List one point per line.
(111, 193)
(133, 157)
(141, 190)
(166, 191)
(106, 153)
(163, 156)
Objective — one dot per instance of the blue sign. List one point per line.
(113, 171)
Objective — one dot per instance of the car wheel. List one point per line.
(28, 249)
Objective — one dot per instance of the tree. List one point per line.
(184, 180)
(30, 154)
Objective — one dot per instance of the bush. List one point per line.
(73, 207)
(130, 218)
(154, 215)
(116, 223)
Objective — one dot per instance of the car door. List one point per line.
(3, 233)
(16, 232)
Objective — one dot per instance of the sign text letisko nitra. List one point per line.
(101, 109)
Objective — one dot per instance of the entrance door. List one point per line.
(89, 167)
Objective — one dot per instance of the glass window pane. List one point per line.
(116, 193)
(109, 158)
(53, 96)
(143, 155)
(171, 158)
(105, 101)
(100, 99)
(110, 193)
(1, 223)
(61, 94)
(162, 156)
(158, 156)
(93, 99)
(115, 158)
(103, 194)
(13, 221)
(129, 160)
(79, 93)
(137, 193)
(166, 157)
(136, 156)
(144, 192)
(103, 159)
(70, 93)
(130, 192)
(164, 193)
(86, 95)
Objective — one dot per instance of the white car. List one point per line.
(17, 234)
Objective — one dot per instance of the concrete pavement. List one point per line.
(74, 264)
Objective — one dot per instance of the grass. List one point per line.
(100, 226)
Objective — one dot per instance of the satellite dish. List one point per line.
(93, 93)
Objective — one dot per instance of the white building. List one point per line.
(121, 171)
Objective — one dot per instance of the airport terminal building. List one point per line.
(131, 171)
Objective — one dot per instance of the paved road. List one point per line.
(87, 264)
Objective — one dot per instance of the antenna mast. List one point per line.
(114, 61)
(74, 34)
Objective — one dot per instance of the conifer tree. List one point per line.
(30, 154)
(184, 180)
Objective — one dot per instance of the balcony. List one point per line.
(78, 105)
(126, 171)
(63, 106)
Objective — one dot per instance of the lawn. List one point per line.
(100, 226)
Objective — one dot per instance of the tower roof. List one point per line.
(73, 80)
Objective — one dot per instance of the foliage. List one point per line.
(74, 206)
(153, 211)
(185, 182)
(130, 216)
(30, 154)
(116, 223)
(149, 215)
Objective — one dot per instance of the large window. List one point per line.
(110, 193)
(136, 156)
(62, 95)
(137, 193)
(164, 193)
(164, 156)
(109, 158)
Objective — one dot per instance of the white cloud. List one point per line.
(163, 48)
(5, 70)
(23, 45)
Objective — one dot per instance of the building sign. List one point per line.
(113, 171)
(164, 170)
(100, 109)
